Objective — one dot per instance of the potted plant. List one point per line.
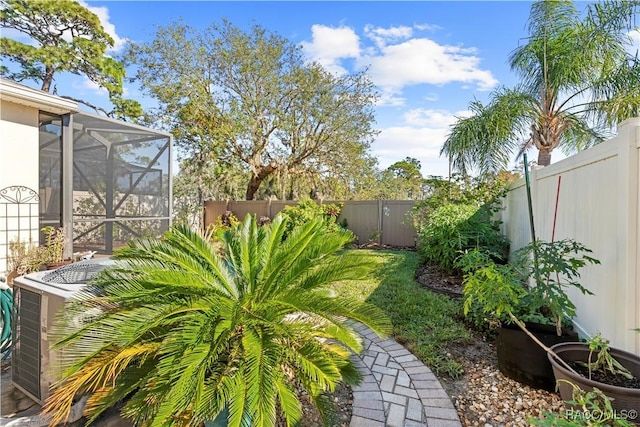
(24, 257)
(52, 252)
(529, 297)
(596, 365)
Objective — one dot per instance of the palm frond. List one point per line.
(288, 400)
(184, 329)
(487, 140)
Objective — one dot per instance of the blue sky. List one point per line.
(428, 59)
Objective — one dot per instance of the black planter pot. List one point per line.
(521, 359)
(626, 401)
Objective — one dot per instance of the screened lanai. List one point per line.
(119, 175)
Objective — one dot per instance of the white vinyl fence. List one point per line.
(595, 194)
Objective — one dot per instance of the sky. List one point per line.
(428, 59)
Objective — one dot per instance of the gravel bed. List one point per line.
(485, 397)
(491, 399)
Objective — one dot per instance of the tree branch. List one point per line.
(90, 105)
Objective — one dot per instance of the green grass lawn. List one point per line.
(423, 321)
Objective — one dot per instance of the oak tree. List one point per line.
(249, 98)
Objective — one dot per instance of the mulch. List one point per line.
(433, 278)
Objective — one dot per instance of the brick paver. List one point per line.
(397, 389)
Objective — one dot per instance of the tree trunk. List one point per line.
(48, 79)
(256, 180)
(544, 157)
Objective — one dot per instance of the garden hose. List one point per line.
(6, 304)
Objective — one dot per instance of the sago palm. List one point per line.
(181, 328)
(577, 81)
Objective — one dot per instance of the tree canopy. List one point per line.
(63, 36)
(577, 81)
(402, 180)
(249, 98)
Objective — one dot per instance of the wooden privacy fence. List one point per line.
(385, 222)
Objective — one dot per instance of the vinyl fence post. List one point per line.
(379, 222)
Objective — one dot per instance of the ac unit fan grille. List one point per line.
(25, 360)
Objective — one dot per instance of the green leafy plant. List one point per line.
(531, 288)
(604, 361)
(453, 229)
(374, 235)
(54, 242)
(308, 210)
(182, 329)
(24, 257)
(588, 408)
(505, 291)
(461, 190)
(222, 223)
(553, 267)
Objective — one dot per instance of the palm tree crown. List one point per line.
(183, 328)
(577, 81)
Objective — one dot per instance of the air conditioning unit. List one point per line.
(37, 297)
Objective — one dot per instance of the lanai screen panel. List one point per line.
(121, 183)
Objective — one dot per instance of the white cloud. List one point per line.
(432, 97)
(330, 45)
(382, 36)
(423, 61)
(102, 12)
(432, 118)
(390, 99)
(85, 85)
(397, 59)
(428, 27)
(421, 137)
(634, 47)
(422, 143)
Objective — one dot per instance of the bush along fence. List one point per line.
(383, 222)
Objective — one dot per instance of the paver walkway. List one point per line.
(397, 389)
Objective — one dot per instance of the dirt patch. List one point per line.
(433, 278)
(606, 377)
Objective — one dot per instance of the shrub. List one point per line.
(452, 229)
(307, 210)
(461, 190)
(222, 223)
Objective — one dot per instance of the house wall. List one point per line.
(594, 199)
(19, 145)
(19, 160)
(18, 167)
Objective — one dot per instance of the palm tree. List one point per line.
(184, 328)
(577, 81)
